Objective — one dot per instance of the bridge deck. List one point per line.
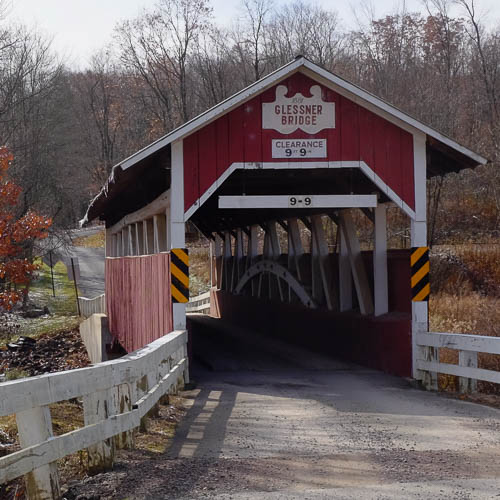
(296, 424)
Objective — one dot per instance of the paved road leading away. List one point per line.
(268, 421)
(91, 261)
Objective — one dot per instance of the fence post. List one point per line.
(35, 426)
(123, 403)
(467, 359)
(430, 379)
(99, 406)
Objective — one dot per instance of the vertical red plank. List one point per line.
(222, 137)
(366, 129)
(407, 179)
(334, 135)
(379, 149)
(191, 170)
(156, 325)
(393, 158)
(252, 129)
(236, 143)
(168, 278)
(268, 135)
(350, 130)
(207, 157)
(161, 290)
(148, 318)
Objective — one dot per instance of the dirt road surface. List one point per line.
(268, 421)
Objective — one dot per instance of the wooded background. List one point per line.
(67, 128)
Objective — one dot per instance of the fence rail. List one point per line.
(468, 346)
(116, 395)
(96, 305)
(199, 304)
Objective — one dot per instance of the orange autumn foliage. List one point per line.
(16, 235)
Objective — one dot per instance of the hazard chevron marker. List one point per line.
(179, 274)
(420, 286)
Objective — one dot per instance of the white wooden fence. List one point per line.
(116, 396)
(428, 345)
(96, 305)
(199, 304)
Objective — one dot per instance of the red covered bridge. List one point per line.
(259, 175)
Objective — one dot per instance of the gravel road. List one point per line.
(268, 421)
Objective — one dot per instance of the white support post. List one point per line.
(139, 239)
(380, 284)
(322, 259)
(118, 244)
(218, 261)
(124, 236)
(177, 224)
(130, 239)
(109, 250)
(345, 274)
(160, 233)
(275, 249)
(226, 260)
(357, 265)
(238, 261)
(274, 240)
(252, 247)
(420, 310)
(252, 253)
(295, 247)
(168, 229)
(149, 236)
(35, 426)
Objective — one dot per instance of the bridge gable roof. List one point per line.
(448, 155)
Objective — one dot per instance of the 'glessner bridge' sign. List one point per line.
(288, 114)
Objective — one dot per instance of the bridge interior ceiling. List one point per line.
(209, 218)
(129, 190)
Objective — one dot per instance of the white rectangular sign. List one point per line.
(299, 148)
(299, 201)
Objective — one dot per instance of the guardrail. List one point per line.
(116, 396)
(468, 347)
(96, 305)
(199, 304)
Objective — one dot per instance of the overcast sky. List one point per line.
(80, 27)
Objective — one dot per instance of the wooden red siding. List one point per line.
(359, 135)
(138, 300)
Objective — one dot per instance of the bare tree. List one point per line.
(157, 46)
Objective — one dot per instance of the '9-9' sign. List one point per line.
(299, 201)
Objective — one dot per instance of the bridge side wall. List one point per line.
(138, 299)
(383, 343)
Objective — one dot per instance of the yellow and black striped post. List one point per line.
(420, 286)
(179, 275)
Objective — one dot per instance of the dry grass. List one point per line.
(465, 313)
(465, 281)
(462, 269)
(97, 240)
(199, 270)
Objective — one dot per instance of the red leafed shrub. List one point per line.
(17, 234)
